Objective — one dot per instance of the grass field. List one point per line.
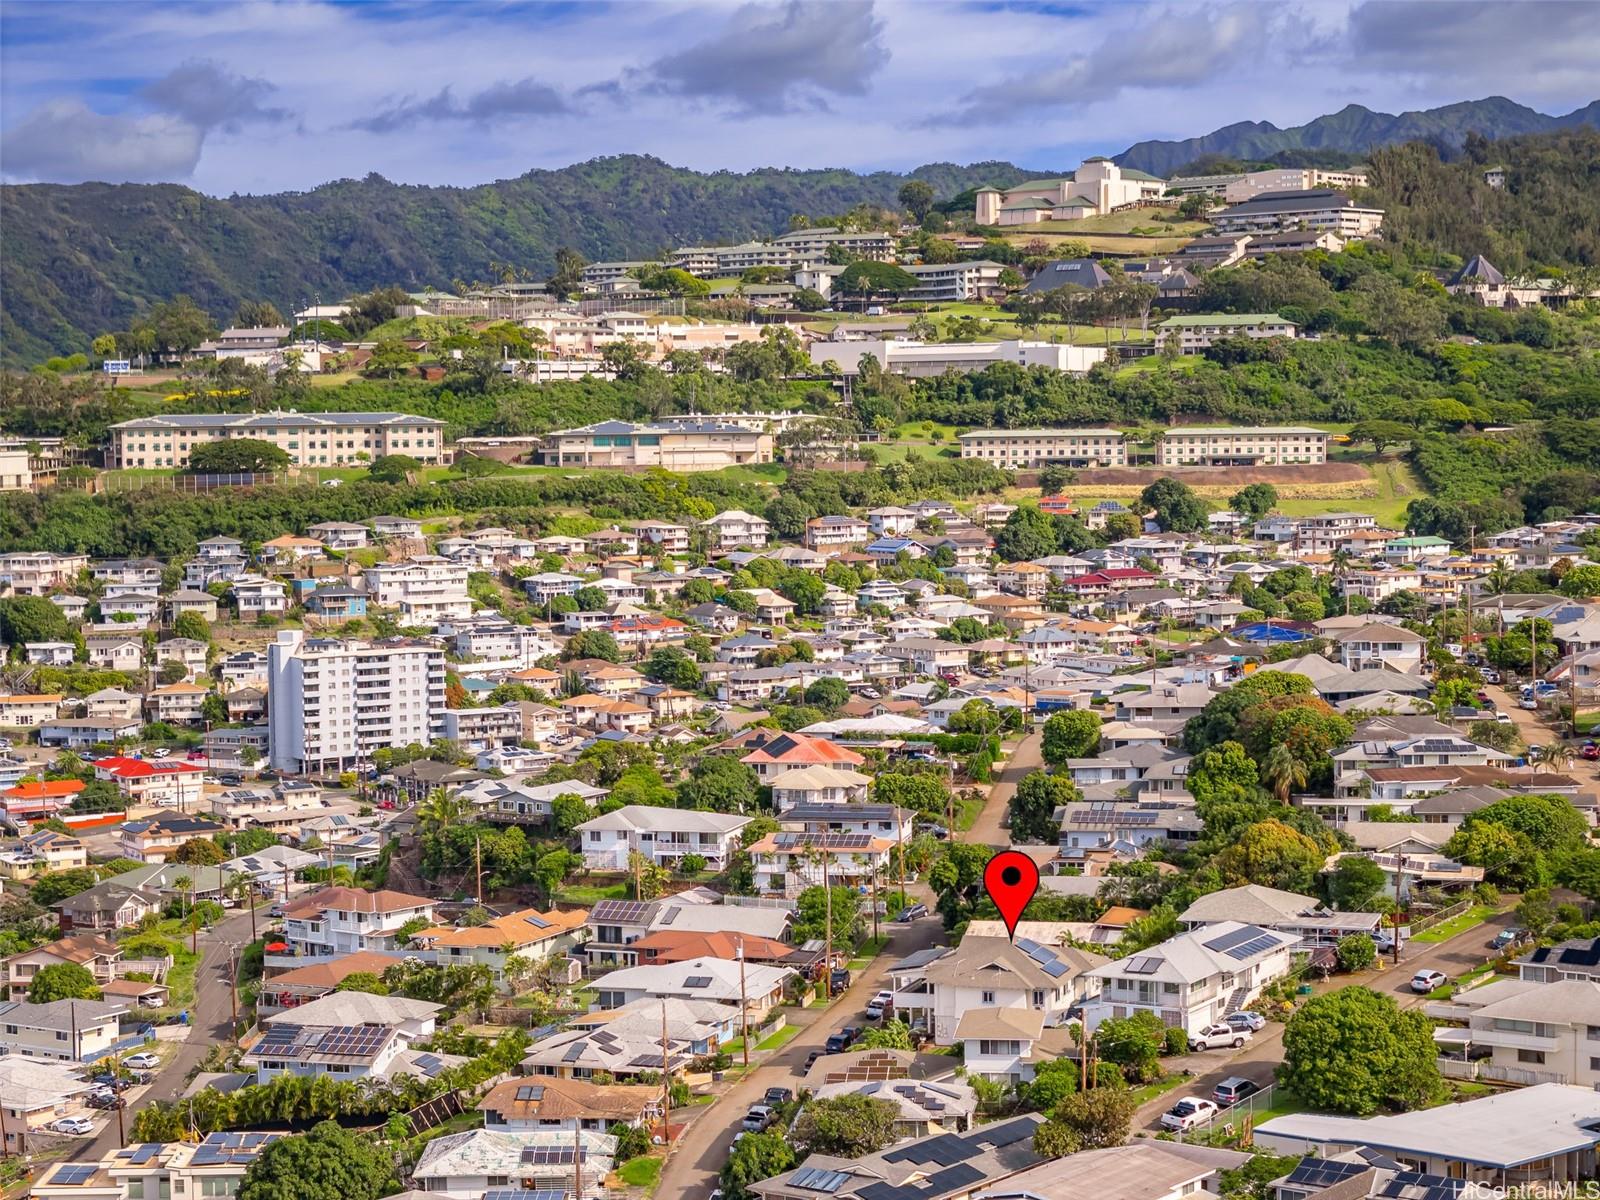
(782, 1038)
(1445, 930)
(643, 1172)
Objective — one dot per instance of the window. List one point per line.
(1531, 1056)
(988, 998)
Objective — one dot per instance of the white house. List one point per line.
(990, 972)
(1194, 979)
(663, 835)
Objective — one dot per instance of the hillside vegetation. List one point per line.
(85, 258)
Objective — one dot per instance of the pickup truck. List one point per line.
(1187, 1113)
(1215, 1037)
(880, 1004)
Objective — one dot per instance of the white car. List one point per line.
(1424, 982)
(880, 1002)
(1215, 1037)
(160, 752)
(1527, 702)
(143, 1061)
(77, 1126)
(1187, 1113)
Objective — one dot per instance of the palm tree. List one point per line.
(441, 810)
(1498, 581)
(1557, 756)
(243, 889)
(1282, 772)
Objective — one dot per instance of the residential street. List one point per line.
(987, 830)
(208, 1026)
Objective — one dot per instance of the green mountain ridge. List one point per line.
(85, 258)
(1355, 129)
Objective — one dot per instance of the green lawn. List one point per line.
(1159, 1088)
(1444, 931)
(578, 893)
(780, 1039)
(644, 1172)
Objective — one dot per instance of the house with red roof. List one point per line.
(1102, 583)
(645, 630)
(158, 783)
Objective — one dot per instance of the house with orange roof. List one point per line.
(623, 716)
(774, 753)
(163, 783)
(545, 1102)
(290, 549)
(1024, 579)
(528, 935)
(94, 953)
(301, 985)
(176, 703)
(26, 712)
(37, 799)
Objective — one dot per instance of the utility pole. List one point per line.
(1466, 634)
(827, 963)
(233, 984)
(477, 853)
(1399, 874)
(5, 1137)
(874, 903)
(744, 1006)
(900, 844)
(666, 1084)
(577, 1160)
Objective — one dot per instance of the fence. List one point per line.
(1233, 1123)
(1440, 915)
(188, 484)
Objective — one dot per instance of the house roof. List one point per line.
(1026, 965)
(347, 899)
(1226, 947)
(549, 1098)
(334, 971)
(355, 1008)
(526, 927)
(1250, 904)
(1026, 1024)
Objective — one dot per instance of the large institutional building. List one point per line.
(676, 446)
(1241, 446)
(1099, 186)
(1018, 448)
(328, 439)
(1322, 209)
(332, 703)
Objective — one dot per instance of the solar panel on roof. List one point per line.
(1231, 939)
(574, 1052)
(1253, 947)
(1321, 1172)
(1144, 965)
(430, 1064)
(697, 981)
(547, 1156)
(1054, 968)
(72, 1175)
(818, 1179)
(537, 922)
(531, 1092)
(525, 1194)
(144, 1152)
(1005, 1135)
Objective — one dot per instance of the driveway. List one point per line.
(209, 1025)
(1260, 1056)
(1025, 758)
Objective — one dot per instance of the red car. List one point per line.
(1589, 751)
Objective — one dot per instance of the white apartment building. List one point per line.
(1519, 1031)
(35, 572)
(309, 439)
(1241, 446)
(1034, 447)
(482, 728)
(1195, 333)
(662, 835)
(332, 703)
(978, 280)
(734, 528)
(812, 245)
(676, 446)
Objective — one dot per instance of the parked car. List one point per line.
(275, 911)
(1215, 1037)
(1589, 751)
(116, 1083)
(161, 752)
(1187, 1113)
(777, 1095)
(106, 1099)
(1232, 1090)
(879, 1004)
(912, 912)
(1424, 982)
(1253, 1022)
(1507, 937)
(1489, 674)
(1527, 702)
(77, 1126)
(760, 1118)
(838, 1043)
(143, 1061)
(1483, 698)
(810, 1059)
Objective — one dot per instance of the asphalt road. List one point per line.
(1026, 758)
(209, 1025)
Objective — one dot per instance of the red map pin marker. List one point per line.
(1011, 879)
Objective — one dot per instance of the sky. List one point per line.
(256, 97)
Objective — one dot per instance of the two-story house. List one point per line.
(523, 937)
(1194, 979)
(1387, 646)
(665, 836)
(342, 920)
(344, 1035)
(1519, 1031)
(158, 838)
(73, 1030)
(991, 973)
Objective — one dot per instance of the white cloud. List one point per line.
(65, 141)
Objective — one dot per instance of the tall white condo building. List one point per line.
(331, 703)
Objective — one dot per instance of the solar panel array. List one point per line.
(1254, 947)
(430, 1064)
(1145, 964)
(525, 1194)
(144, 1152)
(353, 1041)
(824, 841)
(697, 981)
(537, 922)
(1319, 1173)
(531, 1093)
(72, 1174)
(1242, 943)
(220, 1149)
(1414, 1185)
(549, 1156)
(619, 912)
(818, 1179)
(1007, 1134)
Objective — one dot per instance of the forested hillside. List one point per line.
(1355, 129)
(82, 259)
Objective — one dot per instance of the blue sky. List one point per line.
(263, 97)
